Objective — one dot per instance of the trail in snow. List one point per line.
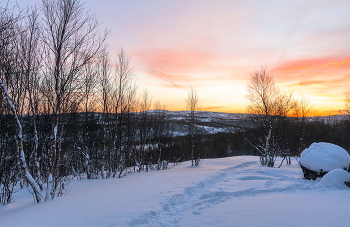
(212, 191)
(234, 191)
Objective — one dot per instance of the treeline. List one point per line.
(55, 74)
(289, 138)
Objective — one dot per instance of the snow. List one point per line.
(335, 179)
(324, 157)
(234, 191)
(55, 131)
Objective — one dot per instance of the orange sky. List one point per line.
(324, 80)
(215, 45)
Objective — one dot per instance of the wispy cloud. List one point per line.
(329, 71)
(303, 65)
(213, 108)
(327, 83)
(184, 68)
(342, 63)
(308, 83)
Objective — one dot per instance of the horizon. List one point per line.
(335, 113)
(214, 46)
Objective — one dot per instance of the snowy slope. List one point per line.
(235, 191)
(207, 122)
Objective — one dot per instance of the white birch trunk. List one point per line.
(267, 149)
(48, 188)
(20, 150)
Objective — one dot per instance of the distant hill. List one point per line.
(214, 122)
(208, 122)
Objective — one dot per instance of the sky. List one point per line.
(214, 46)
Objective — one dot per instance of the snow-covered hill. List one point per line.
(235, 191)
(214, 122)
(207, 122)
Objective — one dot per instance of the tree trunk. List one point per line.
(24, 168)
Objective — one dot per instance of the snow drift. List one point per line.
(320, 158)
(336, 179)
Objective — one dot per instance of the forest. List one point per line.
(69, 111)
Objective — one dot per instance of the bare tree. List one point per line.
(262, 93)
(192, 107)
(144, 129)
(105, 86)
(269, 109)
(285, 103)
(71, 41)
(124, 99)
(12, 87)
(303, 108)
(129, 128)
(347, 103)
(30, 68)
(162, 134)
(88, 99)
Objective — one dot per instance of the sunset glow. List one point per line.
(215, 45)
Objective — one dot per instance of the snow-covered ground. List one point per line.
(235, 191)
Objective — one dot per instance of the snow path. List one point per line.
(179, 204)
(205, 194)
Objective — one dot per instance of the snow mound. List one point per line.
(324, 157)
(336, 179)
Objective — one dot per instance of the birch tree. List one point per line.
(11, 85)
(268, 107)
(192, 107)
(105, 87)
(161, 135)
(124, 100)
(31, 66)
(71, 41)
(144, 129)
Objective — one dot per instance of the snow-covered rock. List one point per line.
(321, 158)
(336, 179)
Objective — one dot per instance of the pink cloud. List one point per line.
(180, 68)
(328, 83)
(305, 72)
(175, 61)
